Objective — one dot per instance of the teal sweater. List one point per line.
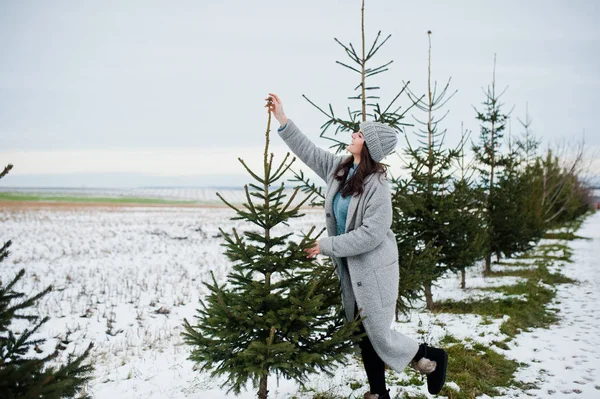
(340, 206)
(340, 212)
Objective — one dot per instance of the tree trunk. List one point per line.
(488, 264)
(262, 388)
(363, 90)
(463, 282)
(428, 296)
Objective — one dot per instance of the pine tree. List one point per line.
(279, 312)
(369, 106)
(25, 372)
(365, 93)
(361, 64)
(517, 218)
(564, 194)
(512, 215)
(429, 217)
(464, 226)
(490, 161)
(525, 193)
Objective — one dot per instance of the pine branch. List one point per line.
(226, 202)
(348, 66)
(6, 170)
(249, 205)
(4, 252)
(254, 175)
(332, 118)
(371, 51)
(374, 71)
(349, 51)
(279, 172)
(290, 200)
(308, 187)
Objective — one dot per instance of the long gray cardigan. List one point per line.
(369, 245)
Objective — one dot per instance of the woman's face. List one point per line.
(358, 141)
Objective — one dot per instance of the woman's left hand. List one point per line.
(313, 251)
(276, 107)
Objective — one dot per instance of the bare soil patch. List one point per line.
(70, 206)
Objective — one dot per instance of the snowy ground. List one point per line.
(125, 278)
(564, 360)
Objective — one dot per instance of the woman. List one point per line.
(358, 212)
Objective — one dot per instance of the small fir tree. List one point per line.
(517, 217)
(527, 151)
(564, 194)
(512, 216)
(279, 312)
(25, 371)
(466, 224)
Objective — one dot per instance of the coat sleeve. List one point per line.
(376, 223)
(320, 161)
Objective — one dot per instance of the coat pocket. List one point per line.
(387, 281)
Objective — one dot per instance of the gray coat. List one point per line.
(369, 245)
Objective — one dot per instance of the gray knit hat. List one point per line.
(381, 139)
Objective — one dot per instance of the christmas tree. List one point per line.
(360, 63)
(490, 163)
(466, 226)
(25, 371)
(435, 225)
(279, 312)
(517, 213)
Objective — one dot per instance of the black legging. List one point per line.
(374, 366)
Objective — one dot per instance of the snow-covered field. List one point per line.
(125, 278)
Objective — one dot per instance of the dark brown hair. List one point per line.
(367, 166)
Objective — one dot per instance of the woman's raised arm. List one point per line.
(322, 162)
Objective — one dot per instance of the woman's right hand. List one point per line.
(276, 107)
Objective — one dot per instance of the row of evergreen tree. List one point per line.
(452, 210)
(280, 313)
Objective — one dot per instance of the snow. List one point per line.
(125, 278)
(564, 360)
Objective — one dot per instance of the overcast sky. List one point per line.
(128, 93)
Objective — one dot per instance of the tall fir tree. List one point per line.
(490, 161)
(431, 218)
(365, 94)
(279, 312)
(25, 371)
